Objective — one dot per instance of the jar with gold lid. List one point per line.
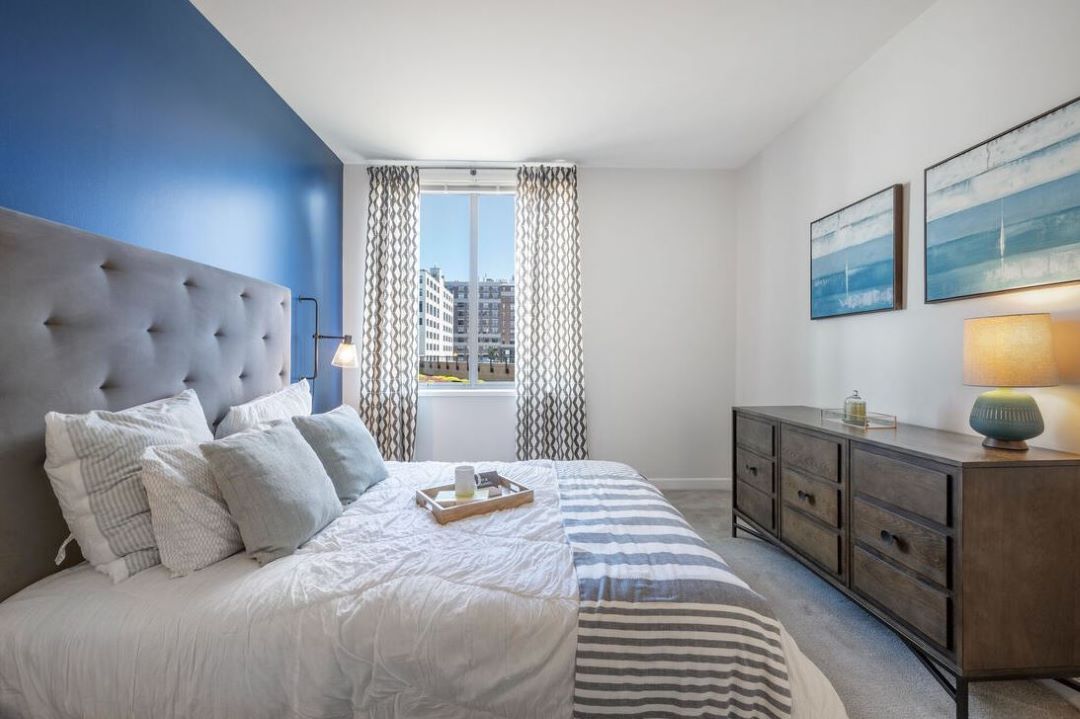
(855, 410)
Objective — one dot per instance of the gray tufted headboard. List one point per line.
(91, 323)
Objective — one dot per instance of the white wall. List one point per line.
(963, 71)
(658, 302)
(353, 242)
(479, 426)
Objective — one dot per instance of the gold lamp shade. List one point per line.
(1009, 351)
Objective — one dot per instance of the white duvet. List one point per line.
(383, 614)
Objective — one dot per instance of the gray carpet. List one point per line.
(874, 673)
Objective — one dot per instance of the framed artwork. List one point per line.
(856, 257)
(1005, 214)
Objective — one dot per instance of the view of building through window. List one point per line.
(466, 326)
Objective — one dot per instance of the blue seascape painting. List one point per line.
(853, 258)
(1006, 215)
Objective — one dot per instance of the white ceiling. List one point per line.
(614, 83)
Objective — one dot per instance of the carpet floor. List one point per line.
(874, 673)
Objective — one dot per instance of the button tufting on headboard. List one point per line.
(104, 295)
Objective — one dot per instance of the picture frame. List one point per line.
(1001, 215)
(857, 257)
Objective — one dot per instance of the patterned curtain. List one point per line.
(388, 381)
(550, 372)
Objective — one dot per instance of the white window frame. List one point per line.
(472, 183)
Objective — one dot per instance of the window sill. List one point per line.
(486, 392)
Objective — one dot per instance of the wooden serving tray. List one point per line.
(514, 494)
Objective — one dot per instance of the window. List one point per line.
(466, 287)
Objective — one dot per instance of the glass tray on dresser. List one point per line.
(872, 420)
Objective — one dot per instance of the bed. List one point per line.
(385, 613)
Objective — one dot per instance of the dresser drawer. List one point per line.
(811, 539)
(754, 470)
(912, 545)
(919, 490)
(756, 505)
(810, 453)
(821, 499)
(755, 434)
(906, 598)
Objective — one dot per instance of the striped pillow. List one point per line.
(93, 465)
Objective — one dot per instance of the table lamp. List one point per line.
(1005, 352)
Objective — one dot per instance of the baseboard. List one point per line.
(1068, 694)
(691, 482)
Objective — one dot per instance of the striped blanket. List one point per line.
(665, 629)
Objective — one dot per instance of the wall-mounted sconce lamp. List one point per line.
(345, 355)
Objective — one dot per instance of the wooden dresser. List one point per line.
(971, 555)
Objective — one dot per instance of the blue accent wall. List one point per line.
(137, 120)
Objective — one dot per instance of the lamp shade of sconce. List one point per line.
(1005, 352)
(345, 355)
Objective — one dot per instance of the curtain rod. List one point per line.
(446, 165)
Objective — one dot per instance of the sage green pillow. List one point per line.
(346, 449)
(275, 488)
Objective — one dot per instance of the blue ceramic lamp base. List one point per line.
(1006, 418)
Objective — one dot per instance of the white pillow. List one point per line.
(191, 523)
(291, 401)
(93, 465)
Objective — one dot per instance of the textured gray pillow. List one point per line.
(346, 449)
(275, 487)
(191, 523)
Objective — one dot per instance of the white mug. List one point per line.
(465, 480)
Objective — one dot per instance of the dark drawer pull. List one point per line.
(889, 538)
(751, 469)
(805, 496)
